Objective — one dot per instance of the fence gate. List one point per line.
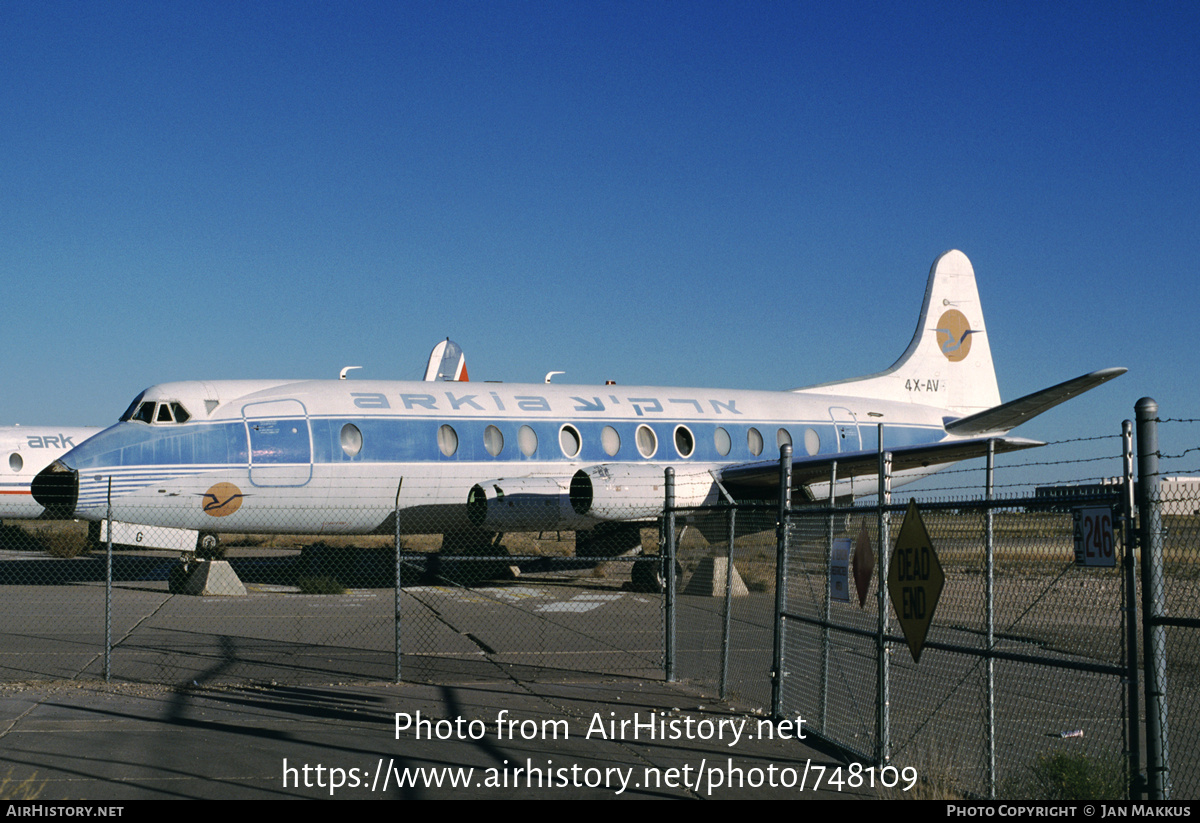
(1024, 667)
(1034, 665)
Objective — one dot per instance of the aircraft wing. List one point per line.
(1011, 414)
(753, 479)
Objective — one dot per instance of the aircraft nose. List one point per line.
(56, 488)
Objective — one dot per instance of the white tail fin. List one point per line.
(949, 361)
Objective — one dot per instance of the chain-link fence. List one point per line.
(1024, 669)
(1178, 625)
(1038, 668)
(319, 607)
(725, 607)
(1170, 542)
(1024, 662)
(980, 713)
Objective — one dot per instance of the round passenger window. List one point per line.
(610, 440)
(568, 439)
(721, 441)
(447, 440)
(351, 439)
(493, 441)
(685, 444)
(812, 441)
(527, 441)
(754, 442)
(15, 462)
(647, 441)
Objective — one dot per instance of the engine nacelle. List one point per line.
(621, 491)
(523, 504)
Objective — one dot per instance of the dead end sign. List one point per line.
(915, 580)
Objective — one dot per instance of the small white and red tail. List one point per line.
(447, 362)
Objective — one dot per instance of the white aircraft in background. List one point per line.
(25, 451)
(352, 457)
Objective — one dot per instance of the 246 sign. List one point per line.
(1094, 544)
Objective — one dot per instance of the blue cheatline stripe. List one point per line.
(197, 447)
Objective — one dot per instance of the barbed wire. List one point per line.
(1162, 456)
(1011, 466)
(1173, 472)
(1002, 488)
(1064, 481)
(1084, 439)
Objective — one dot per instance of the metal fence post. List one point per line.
(781, 556)
(669, 577)
(1133, 747)
(398, 579)
(823, 693)
(990, 608)
(727, 629)
(883, 714)
(1158, 764)
(108, 592)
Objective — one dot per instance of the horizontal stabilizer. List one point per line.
(1015, 412)
(756, 478)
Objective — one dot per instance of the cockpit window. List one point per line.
(128, 415)
(168, 412)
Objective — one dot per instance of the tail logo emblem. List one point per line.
(954, 335)
(222, 500)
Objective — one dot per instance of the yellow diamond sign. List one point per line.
(915, 580)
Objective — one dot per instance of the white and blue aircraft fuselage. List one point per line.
(351, 456)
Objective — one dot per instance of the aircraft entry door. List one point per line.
(280, 443)
(847, 429)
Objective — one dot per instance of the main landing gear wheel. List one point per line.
(208, 547)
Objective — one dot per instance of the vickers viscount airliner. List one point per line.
(361, 456)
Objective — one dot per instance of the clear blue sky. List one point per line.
(728, 194)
